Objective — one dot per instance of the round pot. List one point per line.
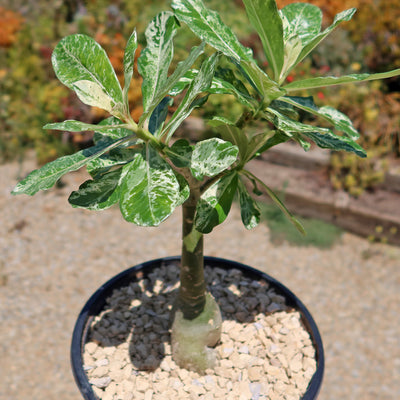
(97, 302)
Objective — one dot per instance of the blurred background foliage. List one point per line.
(30, 95)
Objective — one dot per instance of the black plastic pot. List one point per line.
(96, 304)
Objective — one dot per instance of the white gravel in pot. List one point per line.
(265, 352)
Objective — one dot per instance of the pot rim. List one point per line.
(97, 301)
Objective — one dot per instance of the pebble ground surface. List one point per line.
(53, 257)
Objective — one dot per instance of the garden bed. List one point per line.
(302, 182)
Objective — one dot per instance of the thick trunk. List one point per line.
(192, 292)
(197, 323)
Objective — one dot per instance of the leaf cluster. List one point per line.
(141, 166)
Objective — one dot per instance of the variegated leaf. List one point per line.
(45, 177)
(339, 120)
(97, 194)
(323, 137)
(313, 83)
(264, 16)
(212, 156)
(215, 203)
(156, 58)
(249, 210)
(208, 25)
(79, 58)
(129, 60)
(149, 190)
(199, 84)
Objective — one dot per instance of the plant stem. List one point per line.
(192, 292)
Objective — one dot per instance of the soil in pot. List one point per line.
(265, 351)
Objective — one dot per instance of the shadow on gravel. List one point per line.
(139, 314)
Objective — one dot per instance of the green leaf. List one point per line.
(276, 200)
(199, 84)
(45, 177)
(97, 194)
(149, 190)
(285, 108)
(323, 137)
(339, 120)
(183, 82)
(319, 82)
(249, 210)
(256, 144)
(159, 115)
(224, 82)
(278, 138)
(268, 88)
(129, 60)
(156, 58)
(184, 190)
(118, 156)
(180, 153)
(92, 94)
(215, 203)
(117, 131)
(301, 23)
(231, 133)
(77, 59)
(264, 16)
(301, 20)
(311, 44)
(208, 25)
(333, 142)
(212, 156)
(173, 80)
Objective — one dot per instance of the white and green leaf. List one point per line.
(92, 94)
(231, 133)
(159, 115)
(156, 58)
(249, 210)
(215, 203)
(129, 61)
(97, 194)
(256, 181)
(339, 120)
(46, 176)
(323, 137)
(301, 20)
(314, 83)
(201, 83)
(314, 42)
(301, 23)
(79, 58)
(264, 17)
(115, 131)
(224, 82)
(149, 190)
(211, 157)
(208, 25)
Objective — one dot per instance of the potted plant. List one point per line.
(140, 166)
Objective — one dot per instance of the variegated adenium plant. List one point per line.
(140, 166)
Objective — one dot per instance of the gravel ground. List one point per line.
(52, 258)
